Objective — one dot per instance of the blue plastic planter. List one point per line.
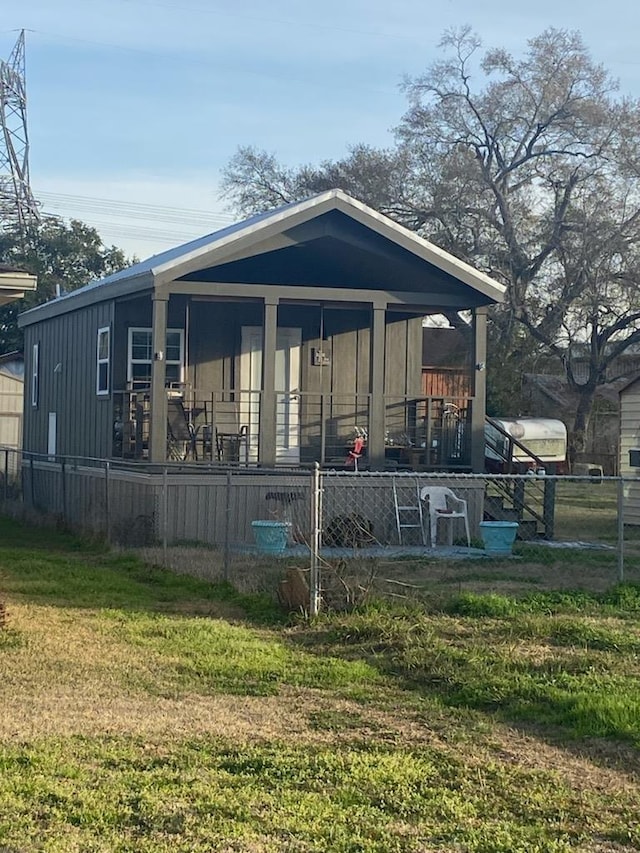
(271, 536)
(498, 536)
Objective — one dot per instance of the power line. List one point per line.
(136, 210)
(113, 218)
(122, 230)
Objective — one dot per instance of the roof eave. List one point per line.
(85, 297)
(16, 280)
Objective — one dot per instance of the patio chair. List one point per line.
(443, 503)
(231, 437)
(180, 432)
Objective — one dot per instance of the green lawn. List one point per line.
(146, 711)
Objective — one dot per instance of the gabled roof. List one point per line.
(628, 383)
(214, 249)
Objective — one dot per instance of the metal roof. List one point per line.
(213, 248)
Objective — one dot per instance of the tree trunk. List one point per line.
(578, 436)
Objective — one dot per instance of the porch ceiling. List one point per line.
(335, 251)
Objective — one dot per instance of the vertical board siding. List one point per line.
(67, 384)
(630, 438)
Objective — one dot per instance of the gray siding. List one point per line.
(67, 383)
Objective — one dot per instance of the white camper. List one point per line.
(544, 438)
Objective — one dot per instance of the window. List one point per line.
(103, 355)
(141, 356)
(34, 375)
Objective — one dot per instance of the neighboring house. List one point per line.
(626, 364)
(630, 449)
(447, 368)
(278, 340)
(14, 283)
(11, 399)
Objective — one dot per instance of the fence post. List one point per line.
(549, 506)
(165, 515)
(64, 489)
(6, 475)
(33, 485)
(316, 527)
(620, 529)
(227, 527)
(107, 508)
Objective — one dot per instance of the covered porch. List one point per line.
(295, 338)
(343, 387)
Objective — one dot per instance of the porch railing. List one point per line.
(420, 433)
(429, 432)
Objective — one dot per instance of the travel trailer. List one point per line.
(517, 445)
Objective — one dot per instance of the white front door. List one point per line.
(287, 382)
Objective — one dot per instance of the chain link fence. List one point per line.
(333, 537)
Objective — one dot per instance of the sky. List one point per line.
(135, 106)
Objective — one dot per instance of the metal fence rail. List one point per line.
(251, 526)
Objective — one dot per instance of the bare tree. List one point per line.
(534, 170)
(254, 180)
(526, 167)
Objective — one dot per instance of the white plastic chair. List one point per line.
(443, 503)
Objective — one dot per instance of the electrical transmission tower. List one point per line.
(18, 208)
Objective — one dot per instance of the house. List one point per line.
(630, 449)
(279, 340)
(14, 283)
(447, 369)
(11, 399)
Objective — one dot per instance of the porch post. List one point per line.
(158, 402)
(480, 390)
(268, 408)
(375, 440)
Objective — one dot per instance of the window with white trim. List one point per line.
(140, 356)
(35, 373)
(103, 358)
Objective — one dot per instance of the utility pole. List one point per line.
(18, 208)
